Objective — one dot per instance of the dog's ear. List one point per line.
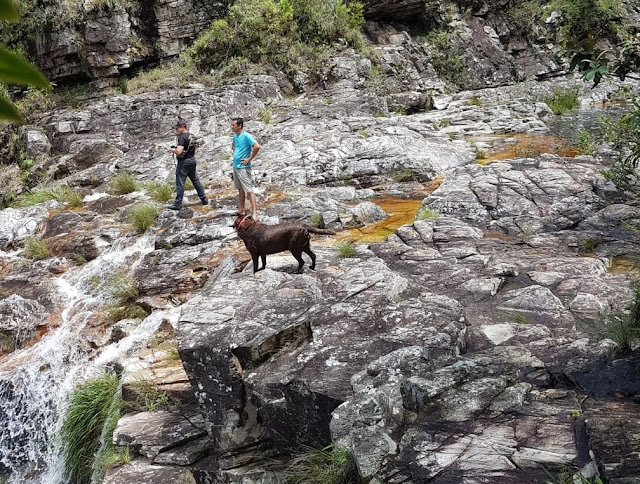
(236, 222)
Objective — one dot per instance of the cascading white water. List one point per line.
(36, 382)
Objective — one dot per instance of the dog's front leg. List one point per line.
(264, 260)
(254, 258)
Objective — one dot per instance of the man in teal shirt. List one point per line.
(245, 148)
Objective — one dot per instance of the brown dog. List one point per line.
(261, 239)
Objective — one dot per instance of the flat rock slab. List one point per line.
(155, 432)
(140, 472)
(186, 454)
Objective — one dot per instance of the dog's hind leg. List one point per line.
(298, 255)
(264, 260)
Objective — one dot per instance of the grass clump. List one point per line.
(162, 192)
(270, 35)
(148, 397)
(62, 194)
(623, 327)
(586, 142)
(36, 248)
(264, 115)
(124, 291)
(403, 176)
(563, 100)
(330, 465)
(346, 249)
(445, 56)
(94, 403)
(425, 213)
(317, 220)
(623, 134)
(143, 216)
(587, 246)
(168, 76)
(519, 318)
(123, 183)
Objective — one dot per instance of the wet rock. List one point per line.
(19, 320)
(16, 225)
(151, 433)
(139, 472)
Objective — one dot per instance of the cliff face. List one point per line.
(98, 43)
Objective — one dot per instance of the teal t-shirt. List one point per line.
(243, 143)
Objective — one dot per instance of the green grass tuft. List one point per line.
(331, 465)
(143, 216)
(148, 397)
(123, 183)
(519, 318)
(162, 192)
(62, 194)
(563, 100)
(426, 212)
(403, 176)
(36, 248)
(346, 249)
(317, 220)
(623, 327)
(93, 404)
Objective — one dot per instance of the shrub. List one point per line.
(264, 115)
(576, 26)
(563, 100)
(92, 405)
(148, 397)
(163, 192)
(317, 220)
(330, 465)
(586, 142)
(346, 249)
(623, 133)
(446, 56)
(281, 35)
(123, 183)
(143, 216)
(168, 76)
(36, 248)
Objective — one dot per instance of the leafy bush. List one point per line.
(123, 183)
(576, 26)
(92, 405)
(623, 133)
(446, 56)
(346, 249)
(144, 216)
(284, 35)
(563, 100)
(36, 248)
(330, 465)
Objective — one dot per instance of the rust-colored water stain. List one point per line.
(623, 265)
(524, 145)
(401, 212)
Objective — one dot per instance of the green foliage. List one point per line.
(576, 25)
(92, 405)
(523, 16)
(264, 115)
(568, 475)
(124, 291)
(284, 35)
(123, 85)
(519, 318)
(148, 397)
(475, 101)
(587, 142)
(574, 414)
(123, 183)
(162, 192)
(143, 216)
(113, 458)
(403, 176)
(623, 327)
(331, 465)
(563, 100)
(130, 311)
(588, 245)
(346, 249)
(317, 220)
(624, 134)
(426, 212)
(169, 76)
(402, 111)
(36, 248)
(446, 56)
(62, 194)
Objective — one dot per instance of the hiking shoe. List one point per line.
(205, 201)
(174, 206)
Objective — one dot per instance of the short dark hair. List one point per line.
(239, 121)
(181, 123)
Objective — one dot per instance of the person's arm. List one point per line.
(178, 150)
(254, 151)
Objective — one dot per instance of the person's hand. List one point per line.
(245, 161)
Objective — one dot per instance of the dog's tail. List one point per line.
(314, 230)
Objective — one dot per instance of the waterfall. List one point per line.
(36, 382)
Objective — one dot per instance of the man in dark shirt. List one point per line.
(185, 153)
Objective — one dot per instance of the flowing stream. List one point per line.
(36, 382)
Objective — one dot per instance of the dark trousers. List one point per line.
(187, 168)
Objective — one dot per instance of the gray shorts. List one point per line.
(242, 179)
